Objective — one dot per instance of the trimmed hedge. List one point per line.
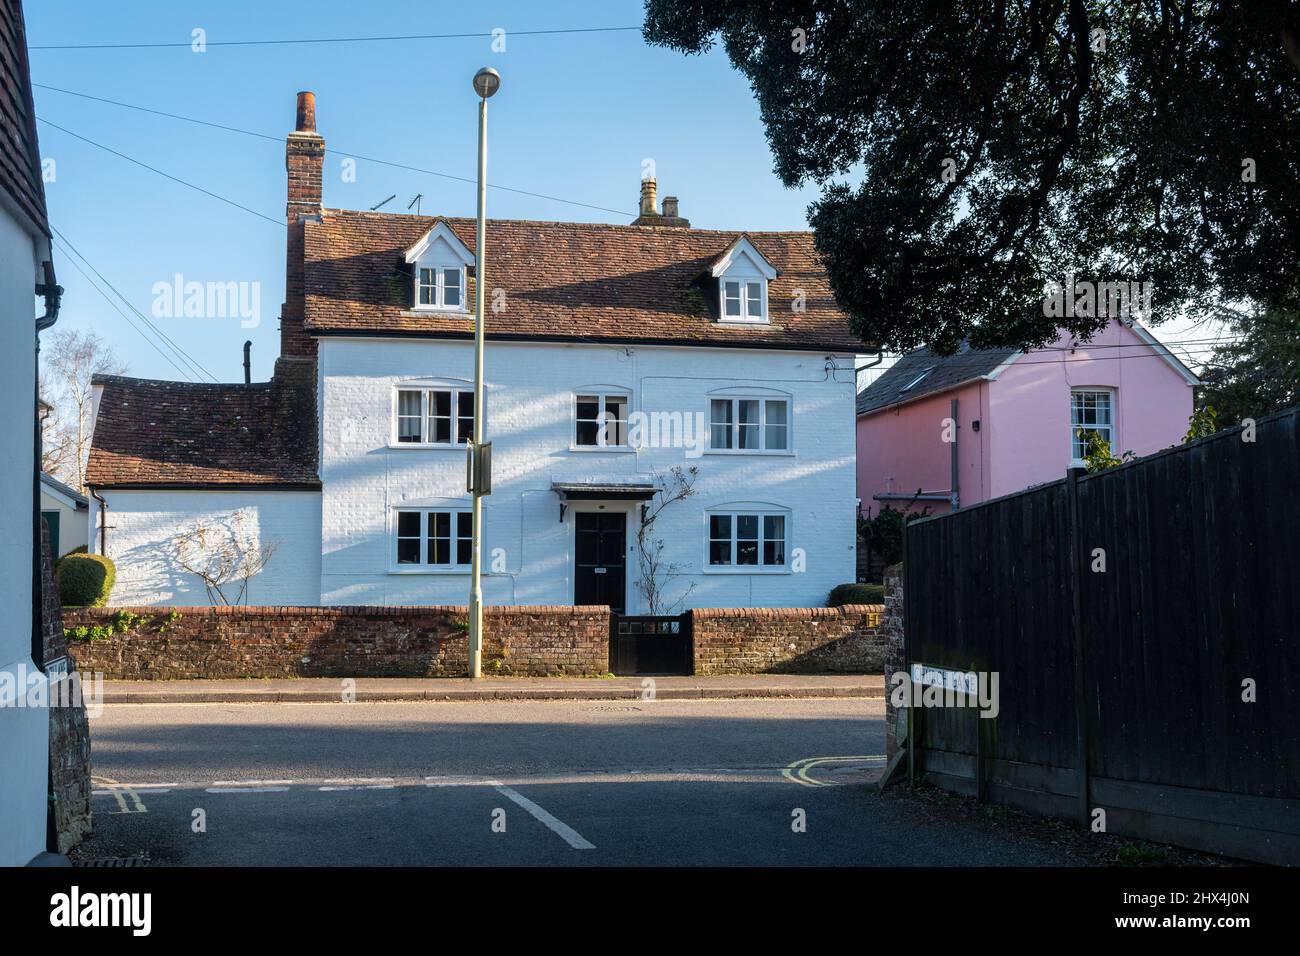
(856, 594)
(85, 580)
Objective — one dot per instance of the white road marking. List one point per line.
(358, 783)
(252, 783)
(566, 832)
(246, 789)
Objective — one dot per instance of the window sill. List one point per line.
(745, 453)
(462, 570)
(745, 569)
(735, 321)
(425, 446)
(610, 449)
(439, 310)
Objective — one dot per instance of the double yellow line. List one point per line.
(121, 792)
(797, 772)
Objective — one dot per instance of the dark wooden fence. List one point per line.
(1125, 689)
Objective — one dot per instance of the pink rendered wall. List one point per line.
(902, 449)
(1029, 437)
(1024, 436)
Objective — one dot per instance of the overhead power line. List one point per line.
(291, 41)
(179, 352)
(76, 265)
(155, 169)
(336, 151)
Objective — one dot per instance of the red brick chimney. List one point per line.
(304, 159)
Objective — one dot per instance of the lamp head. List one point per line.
(486, 82)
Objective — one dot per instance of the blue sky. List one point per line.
(576, 116)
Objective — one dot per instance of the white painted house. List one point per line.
(615, 354)
(25, 264)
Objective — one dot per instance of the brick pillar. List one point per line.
(304, 160)
(891, 632)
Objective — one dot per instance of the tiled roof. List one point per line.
(20, 158)
(568, 281)
(941, 373)
(179, 434)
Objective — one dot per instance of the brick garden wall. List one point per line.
(788, 640)
(268, 642)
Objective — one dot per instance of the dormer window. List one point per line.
(440, 264)
(743, 275)
(440, 287)
(743, 301)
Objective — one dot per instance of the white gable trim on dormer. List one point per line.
(742, 275)
(739, 254)
(440, 233)
(440, 267)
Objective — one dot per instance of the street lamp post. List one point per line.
(486, 83)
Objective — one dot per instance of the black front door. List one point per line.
(600, 543)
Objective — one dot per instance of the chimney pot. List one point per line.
(648, 197)
(306, 112)
(670, 207)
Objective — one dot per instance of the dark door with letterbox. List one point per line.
(601, 549)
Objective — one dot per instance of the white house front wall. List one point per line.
(530, 411)
(142, 523)
(24, 730)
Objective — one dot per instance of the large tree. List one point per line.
(1256, 372)
(971, 152)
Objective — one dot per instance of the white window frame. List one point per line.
(1113, 427)
(439, 287)
(761, 512)
(601, 394)
(426, 391)
(422, 566)
(744, 283)
(762, 400)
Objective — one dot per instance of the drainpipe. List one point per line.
(880, 357)
(52, 292)
(954, 498)
(53, 295)
(103, 521)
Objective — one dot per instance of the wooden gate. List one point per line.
(650, 644)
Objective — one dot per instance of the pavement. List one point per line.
(724, 781)
(332, 690)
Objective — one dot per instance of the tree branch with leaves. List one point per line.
(970, 152)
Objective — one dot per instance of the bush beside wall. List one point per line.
(856, 594)
(85, 580)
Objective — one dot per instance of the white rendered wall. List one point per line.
(24, 731)
(531, 390)
(141, 523)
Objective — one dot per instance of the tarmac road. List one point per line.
(666, 782)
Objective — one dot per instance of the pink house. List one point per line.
(940, 432)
